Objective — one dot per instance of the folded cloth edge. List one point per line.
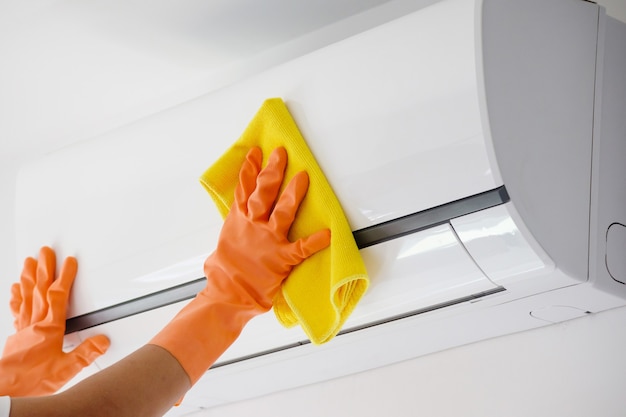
(290, 320)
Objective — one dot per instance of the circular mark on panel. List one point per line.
(557, 314)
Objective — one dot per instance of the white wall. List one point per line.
(9, 269)
(575, 368)
(614, 8)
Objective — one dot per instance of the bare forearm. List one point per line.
(146, 383)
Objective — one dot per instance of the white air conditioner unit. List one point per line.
(477, 148)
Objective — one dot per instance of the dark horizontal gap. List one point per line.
(433, 307)
(135, 306)
(428, 218)
(369, 236)
(367, 325)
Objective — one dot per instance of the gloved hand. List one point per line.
(252, 259)
(33, 362)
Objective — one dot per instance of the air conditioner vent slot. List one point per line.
(365, 326)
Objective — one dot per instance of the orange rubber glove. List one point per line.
(252, 259)
(33, 362)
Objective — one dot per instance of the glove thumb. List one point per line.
(309, 245)
(72, 363)
(85, 353)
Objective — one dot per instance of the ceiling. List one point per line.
(73, 69)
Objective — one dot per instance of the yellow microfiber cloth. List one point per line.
(321, 292)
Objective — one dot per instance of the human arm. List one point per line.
(145, 383)
(252, 259)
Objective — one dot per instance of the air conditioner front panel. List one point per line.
(392, 115)
(501, 246)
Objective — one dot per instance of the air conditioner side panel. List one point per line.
(539, 71)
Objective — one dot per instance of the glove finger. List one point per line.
(46, 270)
(15, 304)
(247, 178)
(268, 184)
(307, 246)
(83, 355)
(59, 292)
(27, 285)
(287, 206)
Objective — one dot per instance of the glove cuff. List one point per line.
(208, 325)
